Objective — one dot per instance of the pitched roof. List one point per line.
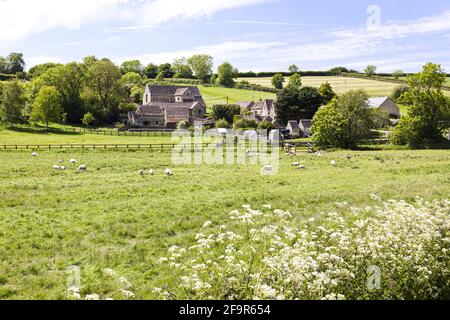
(150, 110)
(376, 102)
(172, 90)
(293, 124)
(306, 123)
(181, 91)
(245, 104)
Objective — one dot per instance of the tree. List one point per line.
(226, 112)
(344, 122)
(266, 125)
(294, 68)
(398, 74)
(222, 123)
(326, 92)
(151, 71)
(47, 106)
(39, 69)
(69, 80)
(88, 118)
(166, 70)
(226, 74)
(181, 69)
(3, 65)
(130, 80)
(132, 66)
(277, 81)
(295, 80)
(202, 65)
(15, 63)
(370, 70)
(160, 77)
(398, 92)
(339, 70)
(295, 103)
(183, 125)
(103, 80)
(246, 124)
(12, 102)
(428, 109)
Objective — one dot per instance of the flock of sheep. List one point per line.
(83, 167)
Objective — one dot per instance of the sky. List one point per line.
(253, 35)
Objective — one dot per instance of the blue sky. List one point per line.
(258, 35)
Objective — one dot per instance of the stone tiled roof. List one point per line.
(376, 102)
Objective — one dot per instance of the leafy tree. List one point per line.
(266, 125)
(398, 74)
(15, 63)
(130, 80)
(69, 80)
(295, 103)
(132, 66)
(226, 74)
(222, 123)
(47, 106)
(181, 69)
(166, 70)
(103, 81)
(339, 70)
(88, 119)
(246, 124)
(277, 81)
(183, 125)
(151, 71)
(428, 109)
(160, 77)
(202, 65)
(3, 65)
(370, 70)
(326, 92)
(344, 122)
(226, 112)
(39, 69)
(294, 68)
(398, 92)
(89, 61)
(12, 102)
(136, 94)
(295, 80)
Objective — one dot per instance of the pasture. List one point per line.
(218, 95)
(110, 217)
(339, 84)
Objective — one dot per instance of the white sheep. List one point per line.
(59, 167)
(82, 168)
(301, 167)
(266, 170)
(35, 154)
(296, 164)
(169, 172)
(60, 161)
(73, 161)
(141, 172)
(333, 163)
(151, 172)
(55, 167)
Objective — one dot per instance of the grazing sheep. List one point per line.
(301, 167)
(169, 172)
(60, 161)
(34, 154)
(266, 170)
(55, 167)
(73, 161)
(141, 172)
(82, 168)
(296, 164)
(151, 172)
(333, 163)
(59, 167)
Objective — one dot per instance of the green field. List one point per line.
(110, 217)
(217, 95)
(339, 84)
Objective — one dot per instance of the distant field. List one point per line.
(340, 84)
(216, 95)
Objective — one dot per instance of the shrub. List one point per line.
(88, 119)
(246, 124)
(183, 125)
(259, 254)
(223, 124)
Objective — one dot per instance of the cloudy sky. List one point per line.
(258, 35)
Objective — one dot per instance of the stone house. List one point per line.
(386, 105)
(294, 128)
(165, 106)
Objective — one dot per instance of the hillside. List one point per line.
(217, 95)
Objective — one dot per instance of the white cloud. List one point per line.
(35, 60)
(22, 18)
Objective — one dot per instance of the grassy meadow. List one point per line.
(218, 95)
(339, 84)
(110, 217)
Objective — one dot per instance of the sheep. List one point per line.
(55, 167)
(296, 164)
(141, 172)
(151, 172)
(73, 161)
(35, 154)
(82, 168)
(333, 163)
(266, 170)
(59, 168)
(301, 167)
(169, 172)
(60, 161)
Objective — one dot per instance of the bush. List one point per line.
(223, 124)
(183, 125)
(246, 124)
(225, 111)
(259, 254)
(398, 92)
(88, 119)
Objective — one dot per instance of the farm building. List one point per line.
(385, 104)
(305, 128)
(245, 104)
(263, 110)
(166, 106)
(294, 128)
